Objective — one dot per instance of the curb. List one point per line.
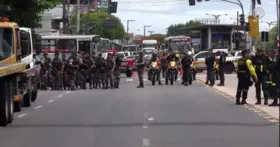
(248, 106)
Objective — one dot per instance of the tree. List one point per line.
(178, 29)
(27, 13)
(96, 25)
(272, 43)
(159, 37)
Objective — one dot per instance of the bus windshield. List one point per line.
(129, 48)
(180, 46)
(150, 46)
(6, 43)
(103, 45)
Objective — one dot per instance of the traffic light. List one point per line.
(191, 2)
(247, 27)
(254, 26)
(113, 7)
(242, 19)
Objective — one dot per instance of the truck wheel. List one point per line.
(229, 68)
(28, 96)
(11, 101)
(128, 73)
(34, 89)
(4, 103)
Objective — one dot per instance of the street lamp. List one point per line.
(146, 26)
(216, 16)
(269, 23)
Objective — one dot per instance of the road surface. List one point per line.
(156, 116)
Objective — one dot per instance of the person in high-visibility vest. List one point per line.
(261, 63)
(275, 79)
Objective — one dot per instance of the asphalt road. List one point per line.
(156, 116)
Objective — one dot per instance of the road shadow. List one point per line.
(140, 124)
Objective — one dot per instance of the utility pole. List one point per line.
(278, 20)
(253, 14)
(146, 26)
(151, 32)
(64, 18)
(78, 17)
(88, 14)
(269, 24)
(216, 16)
(127, 28)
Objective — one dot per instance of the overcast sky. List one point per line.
(162, 13)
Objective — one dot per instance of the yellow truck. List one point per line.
(17, 76)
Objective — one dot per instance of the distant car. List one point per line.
(127, 66)
(148, 52)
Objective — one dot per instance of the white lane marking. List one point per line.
(145, 126)
(37, 107)
(22, 115)
(151, 119)
(129, 80)
(146, 142)
(146, 115)
(50, 101)
(67, 91)
(59, 96)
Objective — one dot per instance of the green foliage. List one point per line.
(27, 13)
(159, 37)
(272, 43)
(177, 29)
(96, 25)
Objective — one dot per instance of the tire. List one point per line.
(28, 96)
(153, 78)
(11, 101)
(171, 77)
(5, 103)
(34, 89)
(229, 68)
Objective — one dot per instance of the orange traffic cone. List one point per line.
(181, 72)
(133, 75)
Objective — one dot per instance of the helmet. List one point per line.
(189, 53)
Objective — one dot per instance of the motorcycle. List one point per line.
(172, 70)
(153, 72)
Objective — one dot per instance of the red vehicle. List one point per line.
(128, 66)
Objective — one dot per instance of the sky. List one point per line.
(162, 13)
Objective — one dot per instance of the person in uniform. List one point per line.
(97, 77)
(261, 64)
(74, 66)
(222, 63)
(245, 70)
(154, 59)
(111, 67)
(46, 62)
(117, 71)
(210, 60)
(186, 65)
(275, 77)
(140, 64)
(163, 64)
(57, 72)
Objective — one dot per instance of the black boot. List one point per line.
(141, 85)
(243, 102)
(265, 101)
(259, 101)
(274, 103)
(237, 102)
(221, 84)
(159, 83)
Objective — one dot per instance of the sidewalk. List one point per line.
(230, 89)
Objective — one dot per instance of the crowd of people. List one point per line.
(74, 72)
(260, 69)
(167, 65)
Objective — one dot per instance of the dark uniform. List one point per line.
(140, 64)
(154, 59)
(163, 65)
(222, 63)
(261, 63)
(97, 73)
(110, 73)
(244, 72)
(57, 73)
(186, 65)
(117, 71)
(275, 71)
(210, 61)
(46, 62)
(172, 57)
(73, 68)
(85, 67)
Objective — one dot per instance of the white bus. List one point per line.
(84, 43)
(178, 43)
(105, 44)
(150, 44)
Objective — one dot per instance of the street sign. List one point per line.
(110, 23)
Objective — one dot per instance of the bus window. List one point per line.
(69, 44)
(84, 46)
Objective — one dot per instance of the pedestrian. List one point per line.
(261, 63)
(275, 79)
(186, 65)
(222, 63)
(140, 64)
(244, 72)
(210, 61)
(111, 67)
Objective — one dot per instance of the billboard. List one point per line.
(103, 6)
